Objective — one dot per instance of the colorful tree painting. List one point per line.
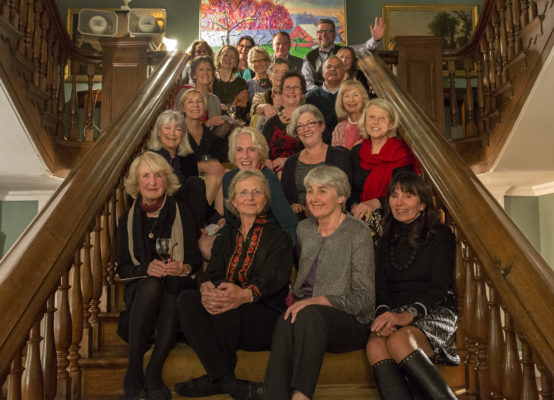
(229, 16)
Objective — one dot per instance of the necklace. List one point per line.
(153, 225)
(407, 264)
(342, 217)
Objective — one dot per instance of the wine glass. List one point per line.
(231, 110)
(163, 248)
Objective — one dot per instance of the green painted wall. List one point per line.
(535, 217)
(546, 212)
(183, 15)
(15, 216)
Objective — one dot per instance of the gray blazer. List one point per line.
(345, 267)
(294, 63)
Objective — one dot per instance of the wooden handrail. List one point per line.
(33, 266)
(522, 278)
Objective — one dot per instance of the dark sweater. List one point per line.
(426, 282)
(337, 156)
(210, 144)
(270, 269)
(279, 210)
(325, 102)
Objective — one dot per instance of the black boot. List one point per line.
(423, 375)
(390, 381)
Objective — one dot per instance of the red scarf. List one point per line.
(394, 154)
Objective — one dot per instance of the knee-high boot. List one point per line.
(390, 381)
(423, 375)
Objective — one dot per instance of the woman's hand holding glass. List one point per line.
(214, 121)
(159, 269)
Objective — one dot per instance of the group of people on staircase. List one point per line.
(308, 231)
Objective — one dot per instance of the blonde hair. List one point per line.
(257, 50)
(158, 165)
(383, 105)
(178, 120)
(242, 176)
(189, 93)
(346, 85)
(258, 141)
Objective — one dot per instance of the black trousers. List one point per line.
(298, 349)
(216, 338)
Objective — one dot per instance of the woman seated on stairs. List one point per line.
(152, 284)
(416, 314)
(334, 290)
(241, 294)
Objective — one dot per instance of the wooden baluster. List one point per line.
(73, 133)
(511, 374)
(496, 345)
(89, 107)
(105, 246)
(500, 6)
(492, 62)
(97, 280)
(482, 124)
(516, 18)
(14, 380)
(486, 75)
(14, 13)
(86, 284)
(546, 382)
(5, 11)
(62, 331)
(529, 383)
(482, 333)
(26, 27)
(76, 307)
(468, 320)
(61, 89)
(534, 9)
(120, 202)
(510, 29)
(470, 129)
(45, 23)
(459, 281)
(32, 385)
(36, 43)
(497, 57)
(49, 351)
(524, 13)
(54, 77)
(453, 100)
(112, 228)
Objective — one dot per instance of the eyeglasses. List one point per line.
(325, 31)
(248, 193)
(307, 126)
(292, 89)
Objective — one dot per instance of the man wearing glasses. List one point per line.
(313, 62)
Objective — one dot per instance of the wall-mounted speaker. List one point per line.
(146, 21)
(97, 22)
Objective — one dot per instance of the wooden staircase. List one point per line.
(58, 291)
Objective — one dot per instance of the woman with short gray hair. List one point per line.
(308, 124)
(334, 294)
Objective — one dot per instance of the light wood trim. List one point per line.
(33, 266)
(522, 278)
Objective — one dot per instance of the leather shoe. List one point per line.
(198, 387)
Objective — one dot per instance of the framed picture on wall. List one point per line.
(261, 19)
(454, 23)
(86, 42)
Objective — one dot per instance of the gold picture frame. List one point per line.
(454, 23)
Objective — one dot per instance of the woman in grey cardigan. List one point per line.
(334, 290)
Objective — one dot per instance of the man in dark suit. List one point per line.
(281, 47)
(326, 34)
